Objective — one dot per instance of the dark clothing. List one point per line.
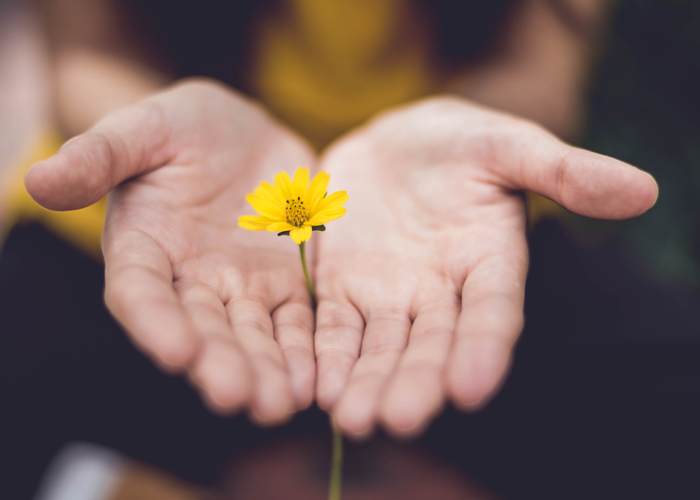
(596, 406)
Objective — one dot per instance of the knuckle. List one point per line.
(99, 156)
(335, 355)
(293, 323)
(114, 296)
(383, 348)
(303, 350)
(338, 318)
(273, 360)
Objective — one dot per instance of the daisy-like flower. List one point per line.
(294, 207)
(297, 208)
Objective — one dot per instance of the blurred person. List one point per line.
(24, 103)
(322, 80)
(192, 326)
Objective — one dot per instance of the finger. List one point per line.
(293, 326)
(139, 293)
(384, 340)
(272, 401)
(338, 338)
(221, 370)
(416, 393)
(125, 143)
(488, 327)
(584, 182)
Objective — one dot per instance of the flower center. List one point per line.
(296, 212)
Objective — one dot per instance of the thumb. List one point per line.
(584, 182)
(125, 143)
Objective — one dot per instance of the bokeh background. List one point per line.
(604, 397)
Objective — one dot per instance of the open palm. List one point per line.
(193, 289)
(421, 285)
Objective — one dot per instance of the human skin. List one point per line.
(421, 285)
(196, 292)
(96, 72)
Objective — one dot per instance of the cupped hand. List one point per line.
(421, 284)
(193, 289)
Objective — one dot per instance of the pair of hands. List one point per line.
(420, 285)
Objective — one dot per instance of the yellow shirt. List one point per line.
(82, 228)
(326, 66)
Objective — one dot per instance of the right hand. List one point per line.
(195, 291)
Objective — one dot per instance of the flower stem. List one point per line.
(309, 285)
(337, 457)
(336, 480)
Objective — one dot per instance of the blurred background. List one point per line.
(604, 397)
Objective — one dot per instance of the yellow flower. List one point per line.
(294, 207)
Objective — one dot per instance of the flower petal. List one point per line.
(257, 219)
(284, 183)
(330, 202)
(252, 227)
(301, 181)
(270, 193)
(277, 227)
(275, 191)
(266, 208)
(254, 222)
(326, 216)
(300, 234)
(295, 234)
(318, 188)
(306, 231)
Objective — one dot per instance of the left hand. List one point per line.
(421, 285)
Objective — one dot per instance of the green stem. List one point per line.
(336, 463)
(309, 285)
(337, 457)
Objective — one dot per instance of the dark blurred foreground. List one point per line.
(593, 407)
